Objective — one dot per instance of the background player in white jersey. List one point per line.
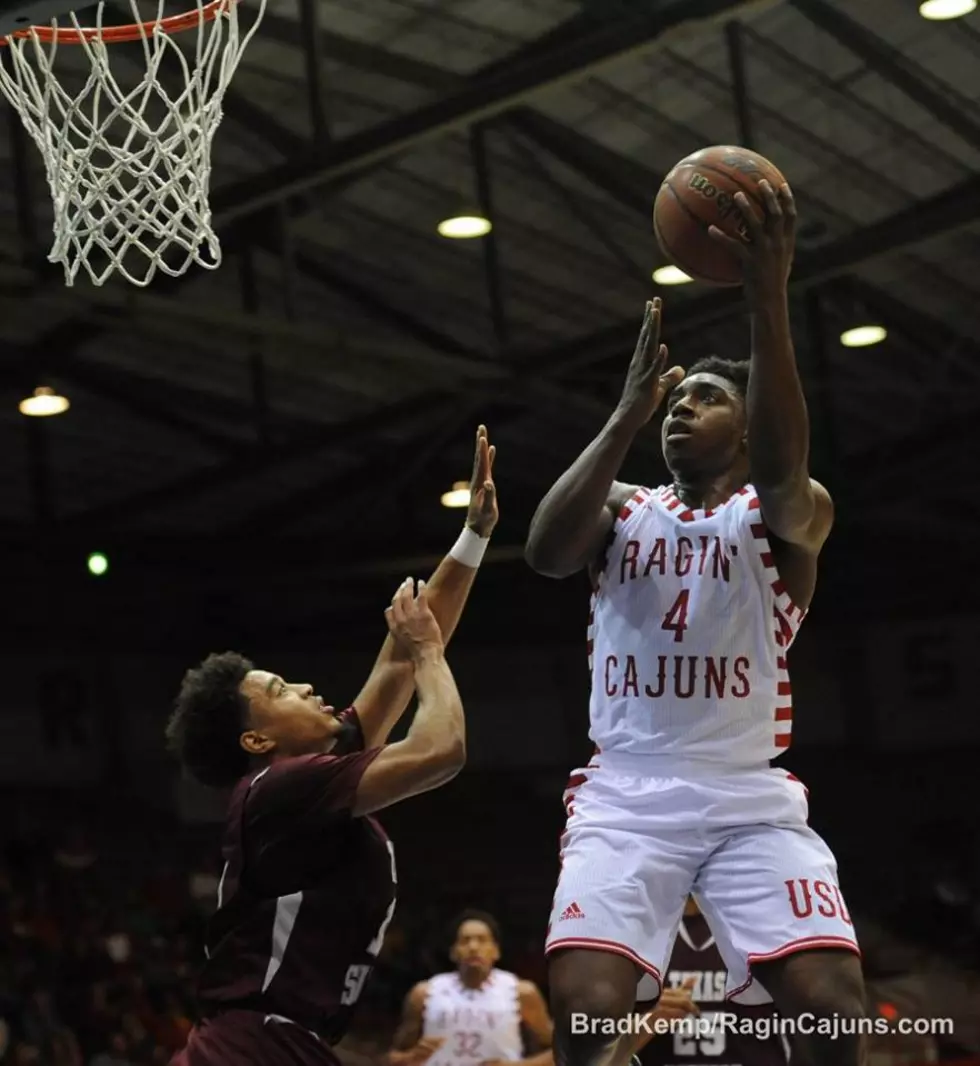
(476, 1014)
(698, 596)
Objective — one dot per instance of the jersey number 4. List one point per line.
(675, 620)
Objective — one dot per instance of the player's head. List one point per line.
(475, 944)
(228, 714)
(704, 424)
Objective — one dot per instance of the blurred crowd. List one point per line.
(99, 947)
(102, 915)
(102, 912)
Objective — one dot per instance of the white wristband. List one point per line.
(469, 549)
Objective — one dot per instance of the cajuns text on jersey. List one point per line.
(688, 633)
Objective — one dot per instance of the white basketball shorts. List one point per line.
(643, 833)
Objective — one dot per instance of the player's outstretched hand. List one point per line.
(423, 1050)
(767, 256)
(676, 1003)
(411, 621)
(646, 383)
(483, 514)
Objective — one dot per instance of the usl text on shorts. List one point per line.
(760, 1027)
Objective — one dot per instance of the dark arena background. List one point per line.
(254, 458)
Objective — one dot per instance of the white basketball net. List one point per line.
(129, 169)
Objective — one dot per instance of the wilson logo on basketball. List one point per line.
(724, 201)
(573, 910)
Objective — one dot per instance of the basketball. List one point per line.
(699, 192)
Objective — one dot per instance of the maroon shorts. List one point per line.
(248, 1038)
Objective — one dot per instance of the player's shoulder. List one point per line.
(439, 985)
(819, 489)
(821, 492)
(624, 495)
(526, 989)
(619, 493)
(417, 994)
(292, 764)
(296, 781)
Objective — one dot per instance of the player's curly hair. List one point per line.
(209, 715)
(733, 370)
(472, 915)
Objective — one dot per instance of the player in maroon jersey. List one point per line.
(308, 886)
(697, 966)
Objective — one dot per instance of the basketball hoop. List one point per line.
(129, 169)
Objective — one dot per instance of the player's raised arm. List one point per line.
(387, 692)
(673, 1005)
(574, 518)
(408, 1047)
(536, 1019)
(434, 750)
(796, 509)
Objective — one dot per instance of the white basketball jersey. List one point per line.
(478, 1024)
(688, 634)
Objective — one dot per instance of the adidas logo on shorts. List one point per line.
(573, 910)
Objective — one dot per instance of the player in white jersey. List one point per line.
(699, 588)
(476, 1014)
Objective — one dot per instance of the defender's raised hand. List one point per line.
(482, 514)
(767, 256)
(646, 383)
(411, 620)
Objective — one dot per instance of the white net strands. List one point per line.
(128, 165)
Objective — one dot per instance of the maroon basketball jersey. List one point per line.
(306, 894)
(695, 955)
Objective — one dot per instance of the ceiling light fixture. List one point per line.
(671, 275)
(458, 495)
(863, 336)
(43, 404)
(98, 564)
(941, 10)
(464, 227)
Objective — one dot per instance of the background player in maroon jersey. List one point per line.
(697, 965)
(308, 886)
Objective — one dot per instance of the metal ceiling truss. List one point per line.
(491, 255)
(312, 44)
(927, 219)
(485, 95)
(839, 95)
(581, 213)
(349, 435)
(525, 381)
(932, 95)
(523, 388)
(502, 86)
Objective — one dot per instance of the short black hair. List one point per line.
(209, 715)
(735, 371)
(472, 915)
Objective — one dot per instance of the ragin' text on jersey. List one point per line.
(701, 556)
